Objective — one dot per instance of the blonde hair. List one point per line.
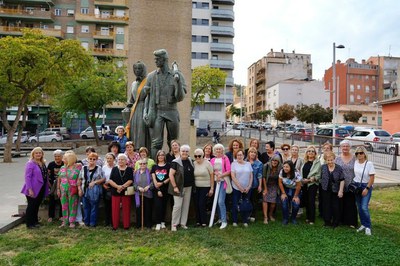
(93, 155)
(328, 144)
(36, 149)
(70, 158)
(362, 149)
(306, 154)
(252, 149)
(329, 154)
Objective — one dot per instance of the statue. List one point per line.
(137, 130)
(166, 88)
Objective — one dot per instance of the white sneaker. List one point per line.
(223, 225)
(158, 227)
(245, 225)
(300, 212)
(368, 231)
(163, 225)
(217, 222)
(252, 219)
(173, 228)
(234, 224)
(361, 228)
(184, 227)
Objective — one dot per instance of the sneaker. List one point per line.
(294, 221)
(218, 222)
(184, 227)
(300, 212)
(368, 231)
(50, 220)
(265, 220)
(173, 228)
(234, 224)
(163, 225)
(158, 227)
(252, 219)
(81, 223)
(272, 219)
(311, 223)
(223, 225)
(73, 225)
(361, 228)
(245, 225)
(285, 222)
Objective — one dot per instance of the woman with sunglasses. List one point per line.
(364, 176)
(311, 173)
(144, 155)
(270, 182)
(285, 148)
(204, 181)
(143, 185)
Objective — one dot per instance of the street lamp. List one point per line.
(334, 89)
(377, 113)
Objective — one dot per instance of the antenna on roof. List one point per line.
(390, 47)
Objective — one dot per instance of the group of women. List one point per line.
(247, 176)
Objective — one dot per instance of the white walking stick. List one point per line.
(215, 202)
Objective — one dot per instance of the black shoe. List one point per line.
(30, 227)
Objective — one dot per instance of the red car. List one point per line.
(302, 134)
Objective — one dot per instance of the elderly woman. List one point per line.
(348, 204)
(69, 186)
(208, 152)
(222, 170)
(271, 172)
(255, 144)
(327, 147)
(285, 148)
(88, 151)
(143, 184)
(120, 138)
(121, 178)
(364, 172)
(290, 186)
(52, 169)
(92, 179)
(160, 175)
(144, 154)
(175, 151)
(296, 160)
(130, 153)
(242, 180)
(181, 177)
(332, 184)
(204, 181)
(234, 146)
(256, 188)
(35, 187)
(311, 173)
(106, 172)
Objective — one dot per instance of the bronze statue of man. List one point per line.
(166, 87)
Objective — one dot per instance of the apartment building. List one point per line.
(270, 70)
(212, 44)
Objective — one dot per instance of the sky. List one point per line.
(366, 28)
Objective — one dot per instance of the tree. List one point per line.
(234, 111)
(102, 84)
(264, 113)
(313, 114)
(352, 116)
(284, 113)
(206, 81)
(30, 66)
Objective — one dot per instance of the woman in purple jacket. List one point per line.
(35, 187)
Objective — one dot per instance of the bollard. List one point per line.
(394, 162)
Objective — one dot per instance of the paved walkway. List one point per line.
(12, 179)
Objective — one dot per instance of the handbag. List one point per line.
(355, 188)
(228, 183)
(94, 193)
(129, 191)
(244, 204)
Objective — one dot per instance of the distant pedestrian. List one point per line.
(209, 128)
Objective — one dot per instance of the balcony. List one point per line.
(111, 3)
(104, 35)
(107, 52)
(223, 14)
(260, 99)
(223, 31)
(222, 47)
(32, 15)
(222, 64)
(46, 2)
(229, 82)
(106, 19)
(17, 31)
(260, 78)
(260, 89)
(224, 2)
(260, 108)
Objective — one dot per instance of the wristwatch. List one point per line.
(367, 188)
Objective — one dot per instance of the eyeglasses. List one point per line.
(311, 151)
(185, 151)
(92, 159)
(358, 153)
(285, 149)
(198, 156)
(142, 163)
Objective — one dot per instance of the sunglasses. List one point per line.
(142, 163)
(357, 153)
(285, 149)
(198, 156)
(311, 151)
(92, 159)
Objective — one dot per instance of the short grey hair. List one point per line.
(58, 152)
(184, 147)
(122, 155)
(344, 142)
(199, 152)
(219, 145)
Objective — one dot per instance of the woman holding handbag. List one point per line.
(271, 172)
(106, 172)
(69, 186)
(364, 172)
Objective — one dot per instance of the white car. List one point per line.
(24, 137)
(373, 139)
(47, 136)
(89, 134)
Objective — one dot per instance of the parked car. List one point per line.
(396, 137)
(62, 130)
(89, 134)
(239, 126)
(374, 139)
(281, 126)
(302, 134)
(325, 134)
(266, 126)
(201, 132)
(47, 136)
(24, 137)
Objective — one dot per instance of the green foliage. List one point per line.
(206, 81)
(284, 112)
(352, 116)
(234, 111)
(263, 114)
(313, 113)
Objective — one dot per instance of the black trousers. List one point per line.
(348, 209)
(255, 201)
(31, 213)
(107, 210)
(53, 203)
(309, 194)
(147, 207)
(330, 208)
(160, 206)
(201, 202)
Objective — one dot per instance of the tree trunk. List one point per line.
(8, 146)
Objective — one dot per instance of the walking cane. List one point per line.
(142, 209)
(214, 207)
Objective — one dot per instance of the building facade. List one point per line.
(212, 44)
(270, 70)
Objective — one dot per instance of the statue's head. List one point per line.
(139, 68)
(161, 57)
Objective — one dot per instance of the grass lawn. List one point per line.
(259, 244)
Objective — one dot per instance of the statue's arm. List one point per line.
(180, 89)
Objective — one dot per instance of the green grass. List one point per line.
(259, 244)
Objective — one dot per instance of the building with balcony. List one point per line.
(270, 70)
(212, 44)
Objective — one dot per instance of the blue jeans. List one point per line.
(285, 206)
(221, 202)
(362, 205)
(90, 211)
(236, 194)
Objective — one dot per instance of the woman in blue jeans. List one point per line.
(364, 175)
(290, 186)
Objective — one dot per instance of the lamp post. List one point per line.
(334, 89)
(377, 114)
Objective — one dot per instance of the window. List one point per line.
(367, 77)
(120, 13)
(85, 29)
(57, 27)
(215, 57)
(359, 86)
(205, 5)
(204, 38)
(367, 88)
(120, 30)
(373, 87)
(358, 97)
(70, 12)
(119, 46)
(85, 45)
(352, 98)
(215, 40)
(204, 55)
(373, 77)
(194, 38)
(57, 12)
(84, 10)
(194, 5)
(194, 21)
(193, 55)
(373, 118)
(364, 119)
(70, 29)
(367, 100)
(351, 87)
(205, 22)
(274, 94)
